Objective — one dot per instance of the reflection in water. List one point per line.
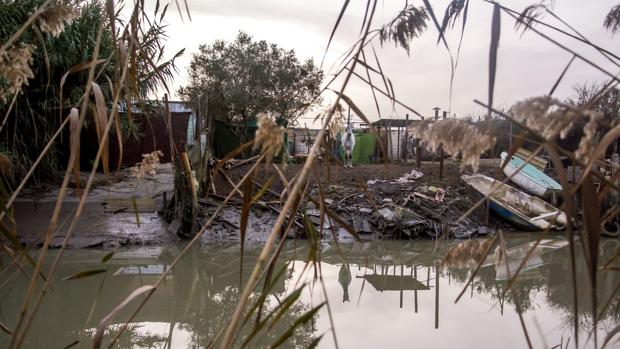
(402, 294)
(344, 278)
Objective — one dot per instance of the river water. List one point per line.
(381, 295)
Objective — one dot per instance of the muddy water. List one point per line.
(381, 295)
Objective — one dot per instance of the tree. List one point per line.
(246, 77)
(597, 97)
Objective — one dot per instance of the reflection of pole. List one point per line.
(415, 292)
(500, 300)
(436, 297)
(428, 276)
(168, 343)
(401, 285)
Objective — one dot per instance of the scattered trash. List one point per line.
(440, 194)
(408, 177)
(411, 176)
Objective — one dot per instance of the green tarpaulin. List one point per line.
(364, 148)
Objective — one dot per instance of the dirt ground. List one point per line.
(360, 195)
(356, 176)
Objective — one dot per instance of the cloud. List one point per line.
(528, 64)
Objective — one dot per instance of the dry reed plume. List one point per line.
(269, 137)
(456, 136)
(338, 122)
(6, 165)
(15, 69)
(54, 19)
(467, 254)
(549, 118)
(147, 165)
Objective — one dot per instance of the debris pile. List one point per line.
(400, 209)
(407, 207)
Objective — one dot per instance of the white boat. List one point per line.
(517, 254)
(530, 178)
(526, 211)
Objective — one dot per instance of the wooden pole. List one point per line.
(198, 127)
(192, 187)
(406, 138)
(418, 154)
(389, 141)
(378, 149)
(441, 154)
(398, 154)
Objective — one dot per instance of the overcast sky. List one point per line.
(528, 64)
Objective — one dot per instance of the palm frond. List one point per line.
(612, 20)
(409, 24)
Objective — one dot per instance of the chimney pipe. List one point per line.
(436, 109)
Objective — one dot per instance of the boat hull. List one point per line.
(524, 181)
(529, 177)
(513, 217)
(525, 211)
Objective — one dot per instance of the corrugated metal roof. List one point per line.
(175, 106)
(394, 123)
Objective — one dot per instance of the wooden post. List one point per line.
(210, 130)
(389, 141)
(202, 135)
(418, 154)
(198, 127)
(192, 187)
(398, 154)
(441, 154)
(378, 149)
(406, 138)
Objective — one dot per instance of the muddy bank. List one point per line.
(96, 227)
(390, 201)
(109, 216)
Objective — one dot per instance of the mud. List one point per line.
(371, 199)
(109, 216)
